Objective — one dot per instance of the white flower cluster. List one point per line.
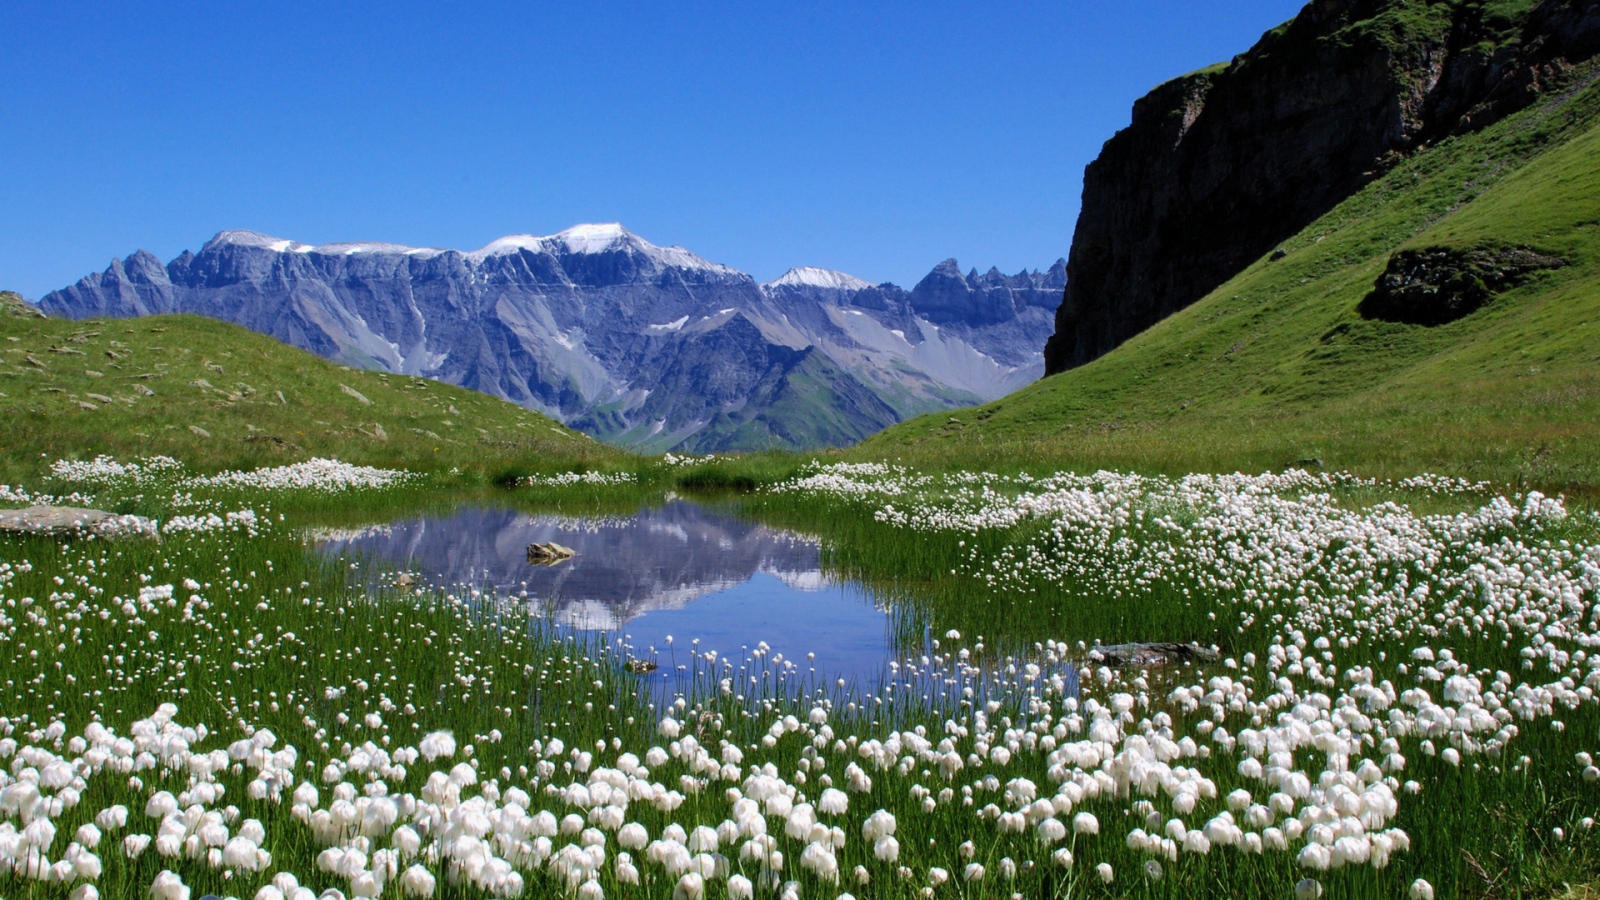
(327, 475)
(854, 480)
(688, 459)
(1313, 579)
(105, 471)
(244, 520)
(605, 479)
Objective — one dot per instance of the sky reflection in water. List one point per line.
(680, 569)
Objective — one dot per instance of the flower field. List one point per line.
(1403, 703)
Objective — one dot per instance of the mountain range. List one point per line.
(645, 346)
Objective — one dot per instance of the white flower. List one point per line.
(1085, 823)
(1421, 890)
(1105, 872)
(877, 825)
(168, 886)
(439, 744)
(833, 802)
(692, 886)
(417, 880)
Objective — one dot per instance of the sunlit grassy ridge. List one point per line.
(1277, 366)
(216, 395)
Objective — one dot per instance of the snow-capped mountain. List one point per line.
(647, 346)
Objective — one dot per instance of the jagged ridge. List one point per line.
(636, 343)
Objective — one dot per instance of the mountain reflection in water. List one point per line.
(679, 570)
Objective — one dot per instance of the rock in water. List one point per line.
(549, 554)
(72, 520)
(1155, 654)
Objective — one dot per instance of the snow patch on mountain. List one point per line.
(590, 239)
(675, 325)
(811, 276)
(244, 238)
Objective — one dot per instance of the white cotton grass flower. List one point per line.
(1420, 890)
(168, 886)
(112, 818)
(1104, 870)
(1085, 823)
(418, 881)
(833, 802)
(436, 745)
(692, 886)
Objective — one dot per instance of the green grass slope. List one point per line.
(1277, 367)
(812, 403)
(216, 395)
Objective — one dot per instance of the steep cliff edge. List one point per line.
(1221, 165)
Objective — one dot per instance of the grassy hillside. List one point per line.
(1278, 367)
(216, 395)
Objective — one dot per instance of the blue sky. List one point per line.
(875, 138)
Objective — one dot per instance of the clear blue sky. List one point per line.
(875, 138)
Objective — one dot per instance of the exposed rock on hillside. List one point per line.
(1436, 285)
(1220, 165)
(12, 304)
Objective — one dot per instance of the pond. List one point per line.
(669, 581)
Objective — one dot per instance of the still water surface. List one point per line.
(708, 580)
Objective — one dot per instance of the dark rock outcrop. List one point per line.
(1436, 285)
(1220, 165)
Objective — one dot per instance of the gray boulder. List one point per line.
(63, 521)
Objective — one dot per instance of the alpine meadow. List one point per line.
(582, 567)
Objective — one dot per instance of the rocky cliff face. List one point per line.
(1220, 165)
(653, 347)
